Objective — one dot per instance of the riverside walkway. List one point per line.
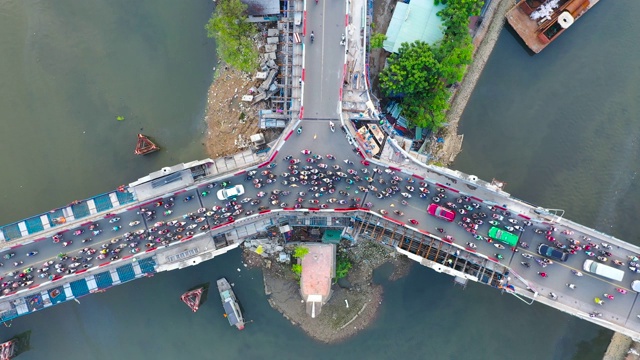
(173, 218)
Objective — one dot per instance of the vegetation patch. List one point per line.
(234, 35)
(419, 75)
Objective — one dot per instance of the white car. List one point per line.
(231, 192)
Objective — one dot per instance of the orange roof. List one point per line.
(317, 270)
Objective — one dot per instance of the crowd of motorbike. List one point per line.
(310, 181)
(572, 244)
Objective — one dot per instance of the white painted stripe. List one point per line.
(136, 269)
(45, 221)
(91, 283)
(46, 300)
(68, 213)
(115, 277)
(67, 291)
(92, 207)
(22, 308)
(23, 228)
(114, 199)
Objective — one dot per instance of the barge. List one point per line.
(539, 22)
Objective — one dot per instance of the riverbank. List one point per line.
(622, 348)
(230, 121)
(354, 303)
(484, 40)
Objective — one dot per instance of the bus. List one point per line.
(504, 236)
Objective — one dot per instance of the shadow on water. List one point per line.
(514, 34)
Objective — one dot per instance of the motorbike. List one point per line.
(78, 232)
(471, 245)
(116, 228)
(527, 256)
(32, 253)
(525, 264)
(134, 223)
(383, 212)
(576, 273)
(114, 220)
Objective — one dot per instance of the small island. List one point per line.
(352, 300)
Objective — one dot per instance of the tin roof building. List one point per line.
(417, 20)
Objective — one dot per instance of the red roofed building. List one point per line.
(318, 271)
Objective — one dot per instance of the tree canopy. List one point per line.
(420, 74)
(376, 40)
(233, 35)
(300, 251)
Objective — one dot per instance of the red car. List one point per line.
(442, 213)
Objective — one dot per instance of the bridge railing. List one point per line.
(58, 217)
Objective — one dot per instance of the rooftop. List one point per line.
(262, 7)
(417, 20)
(318, 268)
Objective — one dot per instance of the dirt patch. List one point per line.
(352, 306)
(382, 13)
(622, 347)
(230, 121)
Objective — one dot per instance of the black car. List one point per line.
(553, 253)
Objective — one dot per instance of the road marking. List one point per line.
(324, 11)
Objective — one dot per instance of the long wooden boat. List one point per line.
(539, 22)
(145, 145)
(230, 304)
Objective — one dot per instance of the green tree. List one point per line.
(342, 267)
(233, 35)
(297, 269)
(300, 251)
(377, 40)
(420, 74)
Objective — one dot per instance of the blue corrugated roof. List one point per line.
(417, 20)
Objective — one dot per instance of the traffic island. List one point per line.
(354, 300)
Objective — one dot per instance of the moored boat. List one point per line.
(145, 145)
(230, 304)
(14, 347)
(539, 22)
(195, 296)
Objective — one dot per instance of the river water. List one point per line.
(558, 127)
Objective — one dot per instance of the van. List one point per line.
(603, 270)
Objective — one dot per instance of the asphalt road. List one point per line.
(324, 59)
